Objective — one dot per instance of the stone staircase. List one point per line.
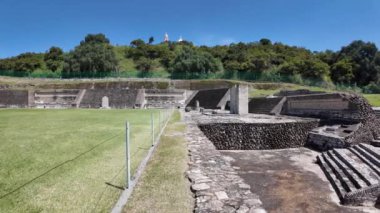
(354, 173)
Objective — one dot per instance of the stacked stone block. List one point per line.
(258, 136)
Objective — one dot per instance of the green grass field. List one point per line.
(163, 186)
(373, 99)
(67, 160)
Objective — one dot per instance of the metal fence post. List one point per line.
(128, 157)
(159, 121)
(152, 126)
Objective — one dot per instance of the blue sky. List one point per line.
(36, 25)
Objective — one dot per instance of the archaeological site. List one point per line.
(292, 151)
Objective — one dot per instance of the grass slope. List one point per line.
(87, 144)
(163, 186)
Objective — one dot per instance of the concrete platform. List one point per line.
(288, 180)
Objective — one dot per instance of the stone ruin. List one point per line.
(344, 119)
(209, 99)
(118, 98)
(354, 173)
(341, 125)
(256, 132)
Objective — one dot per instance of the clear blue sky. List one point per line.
(36, 25)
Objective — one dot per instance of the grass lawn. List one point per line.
(67, 160)
(373, 99)
(163, 186)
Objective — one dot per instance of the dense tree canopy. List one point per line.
(54, 58)
(94, 55)
(190, 60)
(23, 63)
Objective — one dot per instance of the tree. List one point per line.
(343, 71)
(137, 43)
(265, 41)
(363, 55)
(145, 64)
(189, 60)
(307, 68)
(54, 58)
(93, 56)
(327, 56)
(151, 40)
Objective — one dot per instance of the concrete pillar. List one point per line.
(197, 105)
(239, 99)
(31, 98)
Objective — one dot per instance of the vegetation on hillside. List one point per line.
(357, 64)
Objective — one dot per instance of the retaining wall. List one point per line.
(263, 105)
(55, 98)
(208, 99)
(258, 136)
(297, 92)
(14, 98)
(118, 98)
(334, 106)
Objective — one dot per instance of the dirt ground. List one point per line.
(288, 180)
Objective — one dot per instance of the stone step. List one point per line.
(341, 192)
(375, 143)
(343, 164)
(373, 166)
(361, 170)
(341, 176)
(367, 155)
(374, 151)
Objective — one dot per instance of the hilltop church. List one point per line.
(166, 38)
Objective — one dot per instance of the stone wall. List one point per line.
(55, 98)
(165, 98)
(297, 92)
(370, 128)
(263, 105)
(14, 98)
(208, 99)
(118, 98)
(254, 136)
(354, 109)
(334, 106)
(115, 83)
